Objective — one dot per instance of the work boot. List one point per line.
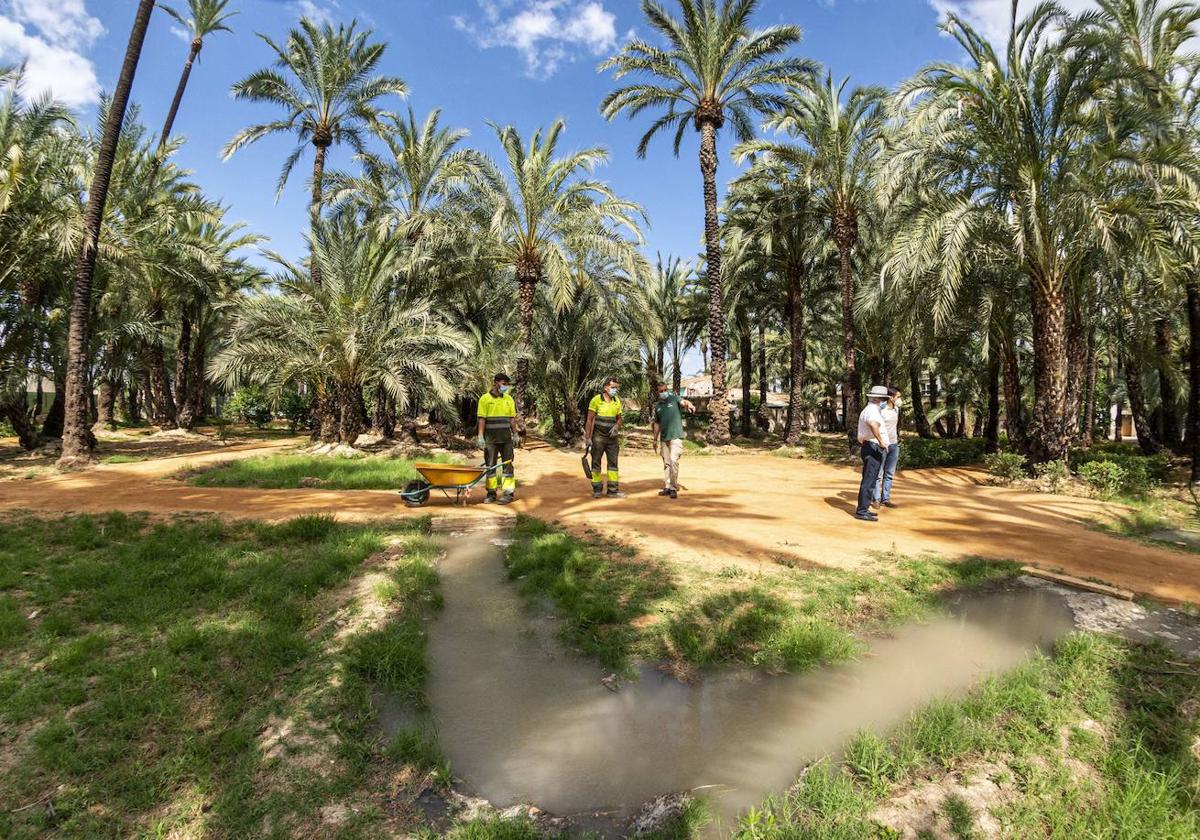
(506, 499)
(866, 517)
(616, 494)
(596, 494)
(666, 491)
(674, 494)
(489, 499)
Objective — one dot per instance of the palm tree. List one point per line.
(839, 138)
(78, 440)
(714, 68)
(1006, 165)
(345, 335)
(205, 18)
(544, 215)
(38, 210)
(405, 190)
(331, 97)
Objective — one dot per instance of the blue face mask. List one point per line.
(612, 392)
(504, 389)
(662, 395)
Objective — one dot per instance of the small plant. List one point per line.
(250, 405)
(1105, 478)
(293, 406)
(959, 814)
(1054, 474)
(1005, 467)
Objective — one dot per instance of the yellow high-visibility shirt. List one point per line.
(607, 412)
(497, 412)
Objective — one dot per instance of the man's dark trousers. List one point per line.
(872, 458)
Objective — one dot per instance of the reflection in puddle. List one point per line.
(522, 720)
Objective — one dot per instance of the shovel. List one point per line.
(586, 462)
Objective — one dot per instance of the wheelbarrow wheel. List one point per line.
(416, 493)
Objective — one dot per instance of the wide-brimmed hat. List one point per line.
(878, 391)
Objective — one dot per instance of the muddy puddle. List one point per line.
(523, 720)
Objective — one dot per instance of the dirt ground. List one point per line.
(747, 509)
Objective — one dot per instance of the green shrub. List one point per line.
(250, 405)
(1141, 472)
(1105, 478)
(6, 429)
(1006, 467)
(917, 453)
(293, 406)
(1054, 474)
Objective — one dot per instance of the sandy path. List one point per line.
(743, 509)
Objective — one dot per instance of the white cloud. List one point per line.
(993, 17)
(545, 32)
(51, 40)
(316, 12)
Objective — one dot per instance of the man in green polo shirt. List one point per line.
(668, 436)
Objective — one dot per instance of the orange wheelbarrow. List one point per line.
(460, 478)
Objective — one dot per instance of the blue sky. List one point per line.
(524, 62)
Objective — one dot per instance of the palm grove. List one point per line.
(1012, 238)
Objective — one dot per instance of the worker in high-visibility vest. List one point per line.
(603, 425)
(498, 437)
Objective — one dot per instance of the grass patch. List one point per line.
(134, 699)
(1138, 778)
(290, 472)
(124, 459)
(620, 607)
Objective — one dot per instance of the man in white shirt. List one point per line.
(873, 438)
(890, 410)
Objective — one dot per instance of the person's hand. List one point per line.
(480, 442)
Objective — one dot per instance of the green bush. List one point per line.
(6, 429)
(1054, 474)
(1006, 467)
(293, 406)
(250, 405)
(1105, 478)
(916, 453)
(1141, 472)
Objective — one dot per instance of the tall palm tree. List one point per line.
(773, 205)
(78, 441)
(544, 215)
(324, 80)
(405, 190)
(204, 17)
(714, 68)
(347, 334)
(1007, 165)
(839, 138)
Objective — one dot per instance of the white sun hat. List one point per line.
(878, 392)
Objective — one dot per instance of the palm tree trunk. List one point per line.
(1089, 401)
(314, 207)
(184, 417)
(920, 419)
(78, 440)
(1171, 433)
(652, 377)
(745, 363)
(527, 279)
(1193, 416)
(1047, 438)
(764, 412)
(1147, 440)
(14, 408)
(676, 367)
(179, 89)
(797, 329)
(844, 236)
(1076, 374)
(1014, 407)
(718, 431)
(992, 430)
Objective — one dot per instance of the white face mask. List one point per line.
(504, 389)
(612, 391)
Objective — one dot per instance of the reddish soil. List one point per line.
(745, 509)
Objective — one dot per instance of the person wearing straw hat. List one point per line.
(874, 442)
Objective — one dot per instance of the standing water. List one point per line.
(523, 720)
